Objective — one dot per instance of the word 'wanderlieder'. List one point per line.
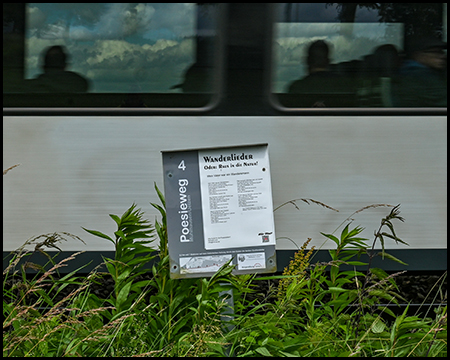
(230, 157)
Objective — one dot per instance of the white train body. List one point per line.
(74, 171)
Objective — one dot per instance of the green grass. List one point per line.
(317, 309)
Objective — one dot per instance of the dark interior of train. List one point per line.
(231, 74)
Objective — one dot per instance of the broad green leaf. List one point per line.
(44, 295)
(141, 260)
(391, 257)
(387, 311)
(332, 254)
(382, 243)
(379, 273)
(176, 301)
(331, 237)
(161, 298)
(357, 230)
(138, 247)
(123, 294)
(99, 234)
(111, 270)
(127, 213)
(125, 273)
(224, 271)
(138, 285)
(398, 240)
(295, 354)
(159, 208)
(179, 325)
(356, 263)
(140, 235)
(383, 294)
(334, 271)
(119, 234)
(115, 218)
(358, 242)
(263, 351)
(344, 232)
(336, 289)
(378, 326)
(160, 195)
(352, 273)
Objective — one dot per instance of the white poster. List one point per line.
(251, 261)
(202, 264)
(236, 197)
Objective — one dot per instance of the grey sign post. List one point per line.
(219, 208)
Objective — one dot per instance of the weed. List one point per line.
(317, 309)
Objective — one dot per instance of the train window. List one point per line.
(371, 55)
(154, 55)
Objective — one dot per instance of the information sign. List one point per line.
(219, 208)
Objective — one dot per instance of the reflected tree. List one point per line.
(347, 11)
(419, 18)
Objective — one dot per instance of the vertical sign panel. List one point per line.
(236, 198)
(219, 208)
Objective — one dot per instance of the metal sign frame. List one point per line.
(219, 208)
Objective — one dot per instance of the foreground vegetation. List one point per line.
(316, 309)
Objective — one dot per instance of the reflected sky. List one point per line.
(148, 47)
(321, 12)
(348, 41)
(118, 47)
(353, 31)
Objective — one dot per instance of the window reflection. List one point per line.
(117, 48)
(422, 79)
(366, 63)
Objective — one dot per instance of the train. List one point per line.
(93, 94)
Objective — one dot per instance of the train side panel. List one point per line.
(74, 171)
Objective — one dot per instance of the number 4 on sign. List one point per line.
(181, 166)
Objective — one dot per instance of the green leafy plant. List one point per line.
(296, 267)
(317, 309)
(342, 315)
(132, 253)
(169, 310)
(180, 306)
(37, 319)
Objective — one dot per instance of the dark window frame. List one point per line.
(275, 102)
(177, 103)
